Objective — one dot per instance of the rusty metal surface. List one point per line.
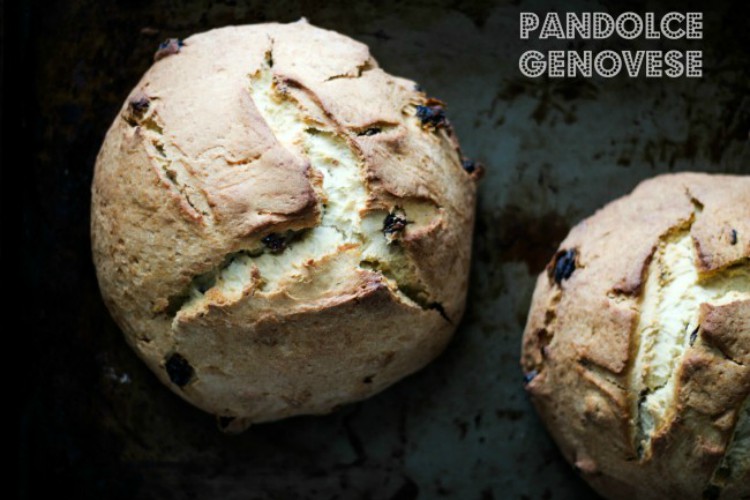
(95, 422)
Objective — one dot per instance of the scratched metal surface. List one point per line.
(97, 423)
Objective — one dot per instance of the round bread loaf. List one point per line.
(637, 347)
(280, 227)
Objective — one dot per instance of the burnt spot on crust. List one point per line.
(368, 379)
(432, 115)
(179, 370)
(394, 224)
(733, 237)
(167, 48)
(529, 376)
(564, 266)
(274, 242)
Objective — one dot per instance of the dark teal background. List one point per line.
(95, 423)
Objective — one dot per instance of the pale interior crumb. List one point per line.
(344, 219)
(670, 310)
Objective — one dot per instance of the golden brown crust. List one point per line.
(192, 175)
(719, 327)
(314, 359)
(722, 232)
(581, 341)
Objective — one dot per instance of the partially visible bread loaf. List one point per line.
(278, 225)
(637, 348)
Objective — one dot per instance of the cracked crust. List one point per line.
(199, 194)
(582, 351)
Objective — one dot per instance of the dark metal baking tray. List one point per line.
(96, 422)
